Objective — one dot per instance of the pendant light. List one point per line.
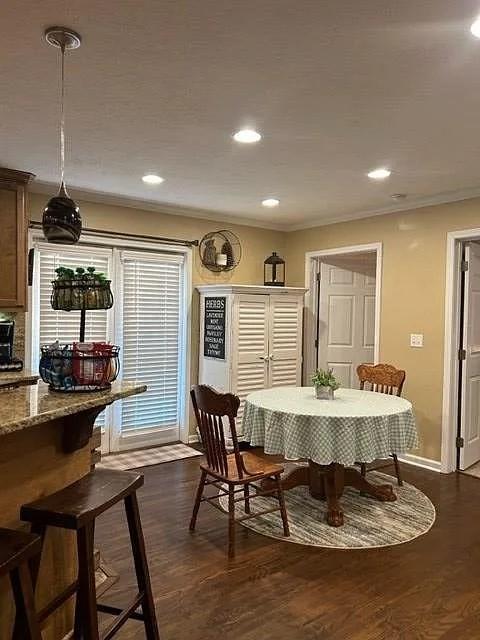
(62, 223)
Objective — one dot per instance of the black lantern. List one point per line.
(274, 271)
(62, 223)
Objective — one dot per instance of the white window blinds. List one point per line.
(152, 305)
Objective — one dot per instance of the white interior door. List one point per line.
(470, 390)
(250, 359)
(346, 317)
(285, 346)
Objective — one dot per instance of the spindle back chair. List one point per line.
(382, 378)
(228, 470)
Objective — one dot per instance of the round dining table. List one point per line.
(332, 435)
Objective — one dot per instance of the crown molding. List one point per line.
(102, 197)
(408, 205)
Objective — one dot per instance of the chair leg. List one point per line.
(86, 606)
(363, 471)
(198, 498)
(397, 469)
(246, 493)
(231, 522)
(26, 626)
(141, 566)
(283, 508)
(34, 567)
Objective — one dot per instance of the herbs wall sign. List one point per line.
(214, 324)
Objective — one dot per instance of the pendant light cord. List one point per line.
(62, 122)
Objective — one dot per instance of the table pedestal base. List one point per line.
(327, 482)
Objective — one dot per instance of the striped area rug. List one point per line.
(147, 457)
(368, 522)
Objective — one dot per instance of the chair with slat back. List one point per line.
(231, 472)
(382, 378)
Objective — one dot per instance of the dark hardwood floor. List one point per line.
(423, 590)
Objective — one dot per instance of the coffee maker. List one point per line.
(7, 360)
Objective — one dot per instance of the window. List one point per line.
(147, 322)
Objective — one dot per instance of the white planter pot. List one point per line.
(324, 393)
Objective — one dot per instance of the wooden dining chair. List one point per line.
(232, 472)
(382, 378)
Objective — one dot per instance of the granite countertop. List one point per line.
(12, 378)
(27, 406)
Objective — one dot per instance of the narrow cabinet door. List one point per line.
(285, 347)
(250, 345)
(12, 247)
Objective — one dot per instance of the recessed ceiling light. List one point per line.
(379, 174)
(271, 202)
(152, 178)
(475, 28)
(247, 136)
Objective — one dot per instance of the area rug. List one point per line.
(368, 523)
(147, 457)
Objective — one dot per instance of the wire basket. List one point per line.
(79, 294)
(79, 367)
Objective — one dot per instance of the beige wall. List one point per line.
(414, 254)
(256, 243)
(413, 293)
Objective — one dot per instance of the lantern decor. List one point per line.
(81, 366)
(61, 222)
(274, 271)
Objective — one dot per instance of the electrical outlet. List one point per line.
(416, 340)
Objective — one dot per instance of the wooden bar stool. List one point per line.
(76, 507)
(16, 550)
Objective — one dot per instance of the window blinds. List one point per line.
(152, 302)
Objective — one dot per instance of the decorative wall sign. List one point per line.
(214, 327)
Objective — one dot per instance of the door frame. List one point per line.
(92, 240)
(310, 298)
(455, 240)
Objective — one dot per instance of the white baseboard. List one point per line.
(193, 439)
(418, 461)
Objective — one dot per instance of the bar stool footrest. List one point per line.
(129, 613)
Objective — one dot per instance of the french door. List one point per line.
(147, 322)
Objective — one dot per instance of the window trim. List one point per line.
(35, 237)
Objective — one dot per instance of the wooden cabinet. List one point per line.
(258, 331)
(13, 238)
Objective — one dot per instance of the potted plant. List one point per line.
(325, 384)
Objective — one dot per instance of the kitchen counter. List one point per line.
(17, 378)
(45, 445)
(28, 406)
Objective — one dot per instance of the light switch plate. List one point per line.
(416, 340)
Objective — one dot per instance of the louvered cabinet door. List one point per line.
(285, 348)
(250, 346)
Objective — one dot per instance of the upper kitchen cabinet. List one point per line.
(13, 238)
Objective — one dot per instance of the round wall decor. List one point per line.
(220, 250)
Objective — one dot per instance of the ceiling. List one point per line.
(336, 89)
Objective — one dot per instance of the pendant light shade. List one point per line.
(61, 222)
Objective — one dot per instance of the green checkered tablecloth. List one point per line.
(357, 426)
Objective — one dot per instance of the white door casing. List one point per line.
(470, 367)
(346, 320)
